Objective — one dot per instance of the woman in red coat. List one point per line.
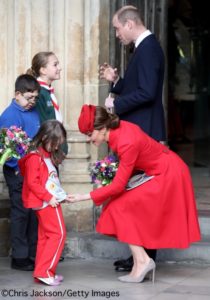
(161, 213)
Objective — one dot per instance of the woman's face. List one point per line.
(98, 137)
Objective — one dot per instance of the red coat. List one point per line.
(35, 173)
(160, 213)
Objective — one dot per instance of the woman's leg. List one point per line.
(142, 265)
(140, 260)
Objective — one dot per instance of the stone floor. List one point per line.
(96, 279)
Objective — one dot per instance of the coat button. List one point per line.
(166, 150)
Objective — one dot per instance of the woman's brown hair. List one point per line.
(105, 119)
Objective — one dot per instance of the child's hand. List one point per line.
(74, 198)
(77, 197)
(53, 202)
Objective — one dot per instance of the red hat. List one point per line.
(86, 119)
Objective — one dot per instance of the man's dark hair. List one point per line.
(26, 83)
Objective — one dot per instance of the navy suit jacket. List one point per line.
(139, 93)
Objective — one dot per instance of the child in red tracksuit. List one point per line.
(43, 193)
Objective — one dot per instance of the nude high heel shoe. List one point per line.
(150, 267)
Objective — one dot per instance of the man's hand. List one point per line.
(109, 102)
(109, 73)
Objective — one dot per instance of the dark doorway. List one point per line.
(189, 81)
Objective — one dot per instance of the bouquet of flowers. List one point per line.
(103, 171)
(14, 142)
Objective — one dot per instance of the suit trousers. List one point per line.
(51, 240)
(23, 220)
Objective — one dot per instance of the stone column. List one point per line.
(88, 46)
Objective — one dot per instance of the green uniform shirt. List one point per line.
(45, 106)
(46, 110)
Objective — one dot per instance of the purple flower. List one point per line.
(13, 142)
(103, 171)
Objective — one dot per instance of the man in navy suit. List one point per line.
(138, 95)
